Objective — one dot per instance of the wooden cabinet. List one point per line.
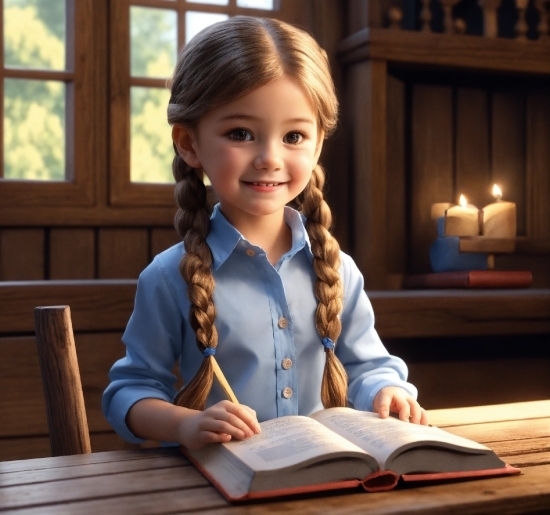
(429, 116)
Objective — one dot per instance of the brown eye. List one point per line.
(240, 135)
(293, 138)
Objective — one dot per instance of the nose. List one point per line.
(268, 157)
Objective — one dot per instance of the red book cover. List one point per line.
(376, 482)
(470, 279)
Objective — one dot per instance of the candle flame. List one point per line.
(497, 192)
(463, 202)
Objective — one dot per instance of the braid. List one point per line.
(328, 287)
(192, 223)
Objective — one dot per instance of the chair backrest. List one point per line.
(65, 408)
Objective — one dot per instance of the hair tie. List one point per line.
(208, 351)
(328, 343)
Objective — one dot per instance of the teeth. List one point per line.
(265, 183)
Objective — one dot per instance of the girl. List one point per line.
(252, 101)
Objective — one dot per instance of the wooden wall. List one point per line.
(448, 362)
(462, 136)
(100, 311)
(80, 253)
(412, 133)
(429, 116)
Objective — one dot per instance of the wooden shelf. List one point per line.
(100, 305)
(448, 51)
(446, 313)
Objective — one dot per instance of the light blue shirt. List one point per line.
(268, 349)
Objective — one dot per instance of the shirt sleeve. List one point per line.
(369, 365)
(153, 339)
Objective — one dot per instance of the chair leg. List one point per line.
(65, 409)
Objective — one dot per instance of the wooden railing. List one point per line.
(527, 18)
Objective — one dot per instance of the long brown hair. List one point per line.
(222, 63)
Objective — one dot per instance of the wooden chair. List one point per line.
(65, 409)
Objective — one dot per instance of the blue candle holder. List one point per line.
(445, 255)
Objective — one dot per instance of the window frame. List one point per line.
(80, 135)
(124, 192)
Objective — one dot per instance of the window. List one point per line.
(144, 51)
(44, 87)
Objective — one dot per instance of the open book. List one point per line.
(340, 448)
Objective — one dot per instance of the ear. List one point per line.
(184, 140)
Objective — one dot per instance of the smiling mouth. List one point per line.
(266, 183)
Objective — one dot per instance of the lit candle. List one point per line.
(439, 208)
(462, 220)
(499, 217)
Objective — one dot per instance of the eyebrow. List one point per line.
(238, 116)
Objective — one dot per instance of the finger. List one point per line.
(424, 419)
(384, 400)
(232, 427)
(210, 437)
(244, 413)
(231, 417)
(416, 412)
(402, 407)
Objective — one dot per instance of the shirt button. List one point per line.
(286, 363)
(250, 253)
(283, 323)
(287, 393)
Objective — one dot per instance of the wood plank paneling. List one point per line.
(95, 305)
(22, 405)
(72, 254)
(474, 382)
(123, 253)
(107, 305)
(367, 115)
(538, 165)
(412, 313)
(472, 168)
(432, 167)
(161, 239)
(22, 254)
(508, 150)
(396, 201)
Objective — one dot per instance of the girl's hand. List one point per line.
(218, 423)
(397, 400)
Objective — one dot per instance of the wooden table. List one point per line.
(162, 481)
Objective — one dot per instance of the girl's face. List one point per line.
(258, 151)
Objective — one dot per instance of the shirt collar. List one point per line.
(223, 238)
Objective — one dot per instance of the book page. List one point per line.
(381, 437)
(287, 441)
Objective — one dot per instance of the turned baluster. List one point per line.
(395, 17)
(426, 16)
(490, 17)
(448, 22)
(521, 25)
(542, 27)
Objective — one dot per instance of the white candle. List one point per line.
(499, 218)
(462, 220)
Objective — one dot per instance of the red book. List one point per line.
(341, 448)
(470, 279)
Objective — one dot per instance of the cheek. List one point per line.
(303, 165)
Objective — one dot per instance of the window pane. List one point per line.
(34, 34)
(153, 41)
(151, 143)
(212, 2)
(256, 4)
(196, 21)
(34, 130)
